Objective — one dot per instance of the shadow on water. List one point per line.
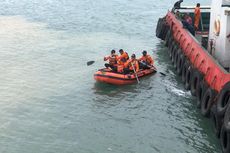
(107, 95)
(112, 90)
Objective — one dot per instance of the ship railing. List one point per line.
(193, 7)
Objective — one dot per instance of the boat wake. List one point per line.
(173, 88)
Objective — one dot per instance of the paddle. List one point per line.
(90, 63)
(151, 67)
(159, 72)
(135, 73)
(162, 74)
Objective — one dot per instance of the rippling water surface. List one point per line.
(49, 102)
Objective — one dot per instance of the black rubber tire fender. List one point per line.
(227, 119)
(223, 99)
(180, 63)
(177, 56)
(201, 88)
(195, 80)
(207, 102)
(171, 49)
(184, 70)
(225, 140)
(161, 34)
(165, 29)
(159, 27)
(217, 121)
(171, 39)
(188, 77)
(167, 38)
(174, 51)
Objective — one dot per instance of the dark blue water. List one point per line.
(50, 102)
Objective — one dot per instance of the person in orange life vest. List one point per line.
(146, 61)
(197, 16)
(131, 64)
(123, 57)
(112, 60)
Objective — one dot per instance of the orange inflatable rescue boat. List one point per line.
(108, 76)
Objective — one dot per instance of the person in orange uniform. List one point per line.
(112, 61)
(123, 57)
(121, 60)
(131, 65)
(197, 16)
(146, 61)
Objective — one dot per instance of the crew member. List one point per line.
(112, 60)
(187, 18)
(123, 57)
(197, 16)
(187, 23)
(131, 65)
(146, 61)
(178, 14)
(177, 5)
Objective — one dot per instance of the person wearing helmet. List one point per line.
(112, 60)
(146, 61)
(131, 65)
(123, 57)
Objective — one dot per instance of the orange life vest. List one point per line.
(148, 59)
(132, 63)
(112, 59)
(123, 58)
(120, 68)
